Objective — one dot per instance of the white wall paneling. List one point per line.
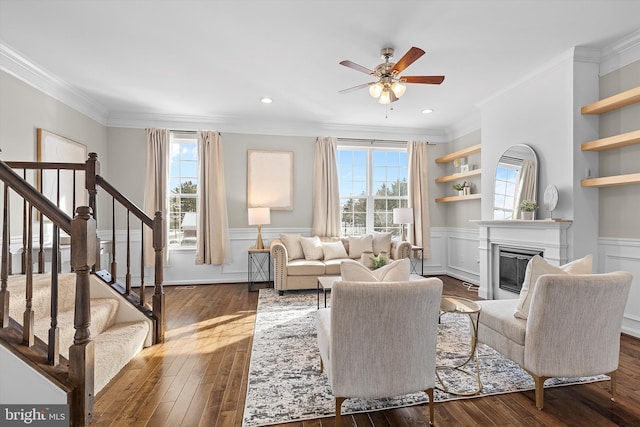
(462, 256)
(624, 255)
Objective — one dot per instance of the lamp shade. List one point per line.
(403, 216)
(259, 216)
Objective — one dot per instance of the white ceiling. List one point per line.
(211, 61)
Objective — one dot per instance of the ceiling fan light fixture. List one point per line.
(385, 98)
(398, 89)
(376, 90)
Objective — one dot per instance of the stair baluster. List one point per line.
(41, 235)
(23, 258)
(28, 336)
(114, 264)
(142, 262)
(92, 168)
(128, 275)
(53, 355)
(4, 271)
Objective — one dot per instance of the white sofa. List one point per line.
(293, 270)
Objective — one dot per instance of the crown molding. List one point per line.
(16, 64)
(465, 126)
(620, 53)
(234, 124)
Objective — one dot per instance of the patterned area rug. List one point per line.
(285, 383)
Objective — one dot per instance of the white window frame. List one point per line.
(176, 238)
(369, 196)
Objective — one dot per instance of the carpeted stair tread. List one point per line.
(41, 296)
(115, 347)
(103, 311)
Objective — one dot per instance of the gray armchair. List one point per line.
(378, 339)
(573, 327)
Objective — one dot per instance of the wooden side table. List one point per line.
(259, 270)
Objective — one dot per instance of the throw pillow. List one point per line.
(359, 244)
(312, 248)
(334, 250)
(292, 243)
(397, 271)
(538, 266)
(353, 271)
(381, 242)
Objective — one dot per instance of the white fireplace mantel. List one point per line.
(547, 236)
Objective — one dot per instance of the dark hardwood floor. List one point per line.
(198, 377)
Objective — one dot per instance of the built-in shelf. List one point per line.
(458, 198)
(614, 102)
(616, 141)
(457, 176)
(459, 154)
(608, 181)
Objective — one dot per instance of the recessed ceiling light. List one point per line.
(427, 111)
(266, 100)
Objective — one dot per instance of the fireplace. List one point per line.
(512, 266)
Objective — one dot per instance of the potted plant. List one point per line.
(460, 187)
(527, 207)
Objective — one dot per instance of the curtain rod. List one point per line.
(376, 141)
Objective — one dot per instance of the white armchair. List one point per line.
(573, 327)
(378, 339)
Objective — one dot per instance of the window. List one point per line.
(372, 182)
(183, 185)
(506, 176)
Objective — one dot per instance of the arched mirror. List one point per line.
(516, 180)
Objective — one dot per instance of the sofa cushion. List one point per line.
(498, 315)
(334, 250)
(312, 248)
(332, 266)
(381, 242)
(359, 244)
(292, 243)
(538, 266)
(303, 267)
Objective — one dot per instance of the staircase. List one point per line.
(71, 331)
(118, 332)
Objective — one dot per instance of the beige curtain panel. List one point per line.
(419, 195)
(326, 203)
(155, 192)
(525, 186)
(212, 236)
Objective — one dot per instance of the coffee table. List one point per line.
(458, 305)
(325, 283)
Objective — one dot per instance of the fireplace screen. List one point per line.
(513, 264)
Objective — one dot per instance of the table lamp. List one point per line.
(403, 216)
(259, 216)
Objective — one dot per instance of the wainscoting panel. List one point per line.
(462, 254)
(624, 255)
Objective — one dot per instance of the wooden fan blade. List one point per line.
(356, 67)
(408, 59)
(430, 80)
(351, 89)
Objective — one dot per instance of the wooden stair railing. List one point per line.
(85, 256)
(82, 230)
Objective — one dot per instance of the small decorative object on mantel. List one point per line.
(527, 208)
(551, 200)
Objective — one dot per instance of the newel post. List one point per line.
(158, 294)
(81, 353)
(92, 169)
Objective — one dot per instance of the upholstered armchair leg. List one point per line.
(539, 382)
(613, 385)
(339, 401)
(429, 392)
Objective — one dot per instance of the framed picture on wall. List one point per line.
(67, 191)
(270, 179)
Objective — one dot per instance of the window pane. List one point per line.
(183, 186)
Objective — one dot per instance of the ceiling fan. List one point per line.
(389, 84)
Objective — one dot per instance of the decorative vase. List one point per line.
(526, 215)
(467, 191)
(460, 192)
